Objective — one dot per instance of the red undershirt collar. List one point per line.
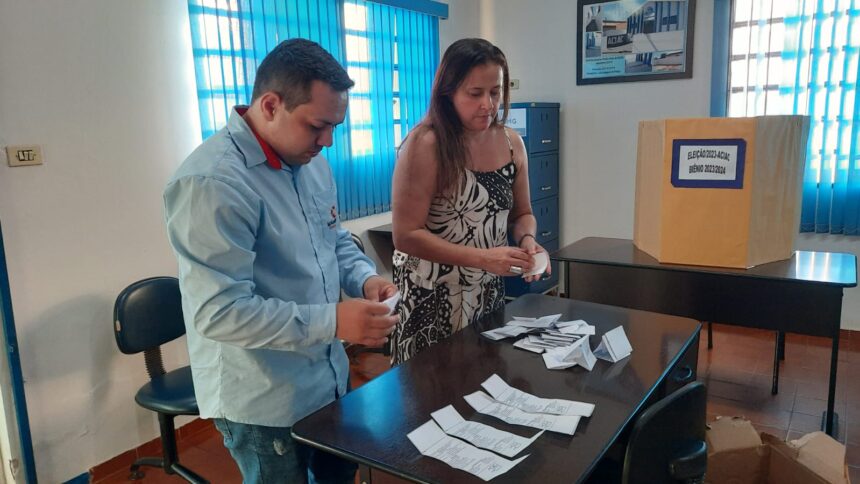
(271, 157)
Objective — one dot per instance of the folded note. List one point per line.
(483, 403)
(504, 332)
(481, 435)
(542, 322)
(392, 302)
(579, 353)
(433, 442)
(527, 402)
(540, 260)
(575, 327)
(614, 346)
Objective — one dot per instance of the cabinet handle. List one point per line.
(546, 141)
(546, 188)
(546, 234)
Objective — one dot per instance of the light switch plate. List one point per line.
(24, 155)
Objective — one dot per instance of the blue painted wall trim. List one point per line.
(430, 7)
(81, 479)
(720, 58)
(20, 402)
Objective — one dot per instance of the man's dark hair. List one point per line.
(291, 67)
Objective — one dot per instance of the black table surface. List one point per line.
(832, 268)
(369, 425)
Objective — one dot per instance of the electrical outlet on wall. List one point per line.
(24, 155)
(515, 83)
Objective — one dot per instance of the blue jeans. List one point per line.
(268, 455)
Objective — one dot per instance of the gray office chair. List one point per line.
(667, 443)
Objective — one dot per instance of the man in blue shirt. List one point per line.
(252, 218)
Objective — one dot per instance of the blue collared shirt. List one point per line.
(262, 259)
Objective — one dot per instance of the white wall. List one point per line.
(599, 122)
(107, 88)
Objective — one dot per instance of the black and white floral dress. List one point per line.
(440, 299)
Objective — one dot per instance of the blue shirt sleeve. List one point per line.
(355, 267)
(212, 226)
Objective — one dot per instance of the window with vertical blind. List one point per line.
(390, 52)
(801, 57)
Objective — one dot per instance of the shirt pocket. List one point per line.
(326, 207)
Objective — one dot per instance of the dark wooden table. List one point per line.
(369, 425)
(798, 295)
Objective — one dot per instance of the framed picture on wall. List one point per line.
(634, 40)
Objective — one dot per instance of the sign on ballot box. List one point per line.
(719, 192)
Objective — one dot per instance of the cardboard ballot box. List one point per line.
(737, 454)
(719, 191)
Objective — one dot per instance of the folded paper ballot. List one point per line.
(432, 441)
(483, 403)
(579, 353)
(505, 332)
(481, 435)
(392, 302)
(614, 346)
(542, 322)
(508, 395)
(575, 327)
(525, 344)
(541, 260)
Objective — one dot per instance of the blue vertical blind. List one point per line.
(391, 54)
(801, 57)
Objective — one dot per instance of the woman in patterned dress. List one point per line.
(460, 183)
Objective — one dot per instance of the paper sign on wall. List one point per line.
(708, 163)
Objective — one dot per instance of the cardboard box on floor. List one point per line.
(738, 454)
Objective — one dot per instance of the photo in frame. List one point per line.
(634, 40)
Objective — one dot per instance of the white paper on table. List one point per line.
(483, 403)
(542, 322)
(433, 442)
(481, 435)
(540, 260)
(564, 324)
(555, 361)
(525, 344)
(578, 353)
(566, 340)
(392, 302)
(538, 340)
(504, 332)
(527, 402)
(614, 346)
(580, 327)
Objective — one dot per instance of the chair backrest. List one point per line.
(667, 443)
(357, 240)
(148, 314)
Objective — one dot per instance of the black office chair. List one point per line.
(148, 314)
(667, 443)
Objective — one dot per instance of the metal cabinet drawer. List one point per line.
(546, 213)
(543, 176)
(542, 130)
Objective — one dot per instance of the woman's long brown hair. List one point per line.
(459, 59)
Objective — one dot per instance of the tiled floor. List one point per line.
(737, 372)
